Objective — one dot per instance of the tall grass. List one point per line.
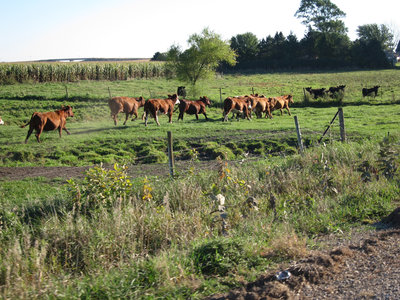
(70, 72)
(157, 237)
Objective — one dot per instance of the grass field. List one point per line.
(112, 235)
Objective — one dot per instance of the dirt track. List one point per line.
(17, 173)
(367, 266)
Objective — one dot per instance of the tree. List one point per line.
(158, 56)
(245, 45)
(207, 50)
(374, 32)
(321, 16)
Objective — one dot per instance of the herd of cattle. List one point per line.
(334, 90)
(242, 106)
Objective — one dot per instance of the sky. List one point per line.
(56, 29)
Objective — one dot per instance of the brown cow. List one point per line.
(127, 105)
(166, 106)
(49, 121)
(238, 105)
(280, 103)
(193, 107)
(263, 105)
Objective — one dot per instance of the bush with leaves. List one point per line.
(101, 188)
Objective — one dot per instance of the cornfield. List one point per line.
(68, 72)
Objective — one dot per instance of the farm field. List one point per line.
(120, 227)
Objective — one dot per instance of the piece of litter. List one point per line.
(283, 275)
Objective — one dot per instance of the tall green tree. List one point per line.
(206, 51)
(321, 16)
(245, 46)
(374, 32)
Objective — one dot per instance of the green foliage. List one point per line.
(218, 257)
(70, 72)
(245, 45)
(206, 51)
(380, 34)
(321, 15)
(101, 188)
(389, 160)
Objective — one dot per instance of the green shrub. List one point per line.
(101, 188)
(218, 257)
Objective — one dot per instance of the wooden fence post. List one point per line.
(299, 140)
(170, 154)
(341, 124)
(220, 95)
(109, 92)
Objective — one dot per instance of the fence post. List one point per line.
(170, 154)
(109, 92)
(341, 125)
(66, 92)
(220, 95)
(299, 140)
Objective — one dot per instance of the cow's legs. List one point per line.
(288, 110)
(180, 117)
(225, 119)
(29, 134)
(114, 117)
(170, 117)
(205, 115)
(66, 130)
(126, 118)
(197, 116)
(38, 133)
(156, 118)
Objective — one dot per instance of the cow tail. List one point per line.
(23, 126)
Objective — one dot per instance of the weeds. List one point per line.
(136, 238)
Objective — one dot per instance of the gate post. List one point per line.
(299, 140)
(170, 154)
(341, 125)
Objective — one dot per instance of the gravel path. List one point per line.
(364, 266)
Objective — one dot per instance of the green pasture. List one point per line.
(95, 139)
(111, 235)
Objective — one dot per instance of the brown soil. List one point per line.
(139, 170)
(365, 266)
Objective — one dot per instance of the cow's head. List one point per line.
(248, 101)
(68, 110)
(289, 98)
(205, 100)
(175, 98)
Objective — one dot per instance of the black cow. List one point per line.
(370, 92)
(315, 93)
(336, 89)
(181, 91)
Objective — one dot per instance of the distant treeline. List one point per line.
(317, 50)
(73, 71)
